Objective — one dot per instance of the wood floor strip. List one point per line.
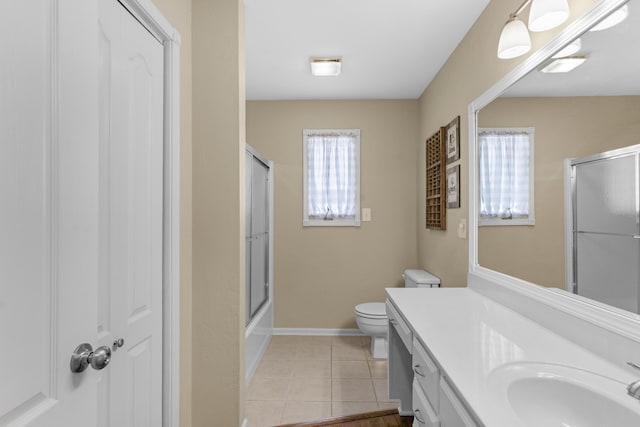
(384, 418)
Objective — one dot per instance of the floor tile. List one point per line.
(369, 356)
(310, 389)
(278, 351)
(352, 390)
(305, 411)
(339, 409)
(264, 413)
(339, 352)
(301, 339)
(313, 339)
(306, 378)
(382, 390)
(378, 368)
(354, 341)
(311, 368)
(350, 369)
(274, 369)
(314, 351)
(268, 389)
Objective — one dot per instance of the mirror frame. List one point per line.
(606, 316)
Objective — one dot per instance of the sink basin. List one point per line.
(548, 395)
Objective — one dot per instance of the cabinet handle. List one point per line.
(415, 414)
(417, 370)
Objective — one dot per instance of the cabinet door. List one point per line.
(400, 373)
(426, 373)
(424, 415)
(452, 411)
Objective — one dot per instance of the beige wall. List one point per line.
(178, 12)
(321, 273)
(470, 70)
(564, 128)
(218, 219)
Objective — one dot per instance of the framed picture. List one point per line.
(453, 187)
(453, 140)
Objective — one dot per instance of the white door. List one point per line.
(130, 219)
(48, 211)
(80, 214)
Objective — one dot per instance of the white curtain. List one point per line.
(331, 174)
(504, 173)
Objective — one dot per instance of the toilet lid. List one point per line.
(372, 309)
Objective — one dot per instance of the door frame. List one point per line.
(153, 20)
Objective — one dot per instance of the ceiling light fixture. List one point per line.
(570, 49)
(564, 65)
(615, 18)
(544, 15)
(326, 66)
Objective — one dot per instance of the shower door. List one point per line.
(257, 234)
(606, 227)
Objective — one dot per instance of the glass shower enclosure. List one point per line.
(257, 234)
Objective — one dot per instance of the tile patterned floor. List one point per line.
(305, 378)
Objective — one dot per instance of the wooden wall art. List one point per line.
(436, 208)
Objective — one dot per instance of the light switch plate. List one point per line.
(462, 229)
(366, 214)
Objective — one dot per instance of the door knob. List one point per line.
(83, 356)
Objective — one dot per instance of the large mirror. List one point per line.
(592, 109)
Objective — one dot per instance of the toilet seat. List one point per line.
(372, 310)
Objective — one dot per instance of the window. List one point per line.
(331, 177)
(506, 176)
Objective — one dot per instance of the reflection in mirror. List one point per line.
(592, 109)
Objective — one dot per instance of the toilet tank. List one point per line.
(420, 279)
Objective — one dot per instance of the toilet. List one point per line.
(371, 317)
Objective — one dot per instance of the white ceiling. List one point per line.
(391, 49)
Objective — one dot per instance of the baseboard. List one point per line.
(317, 331)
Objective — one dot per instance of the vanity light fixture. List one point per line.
(615, 18)
(514, 39)
(564, 65)
(544, 15)
(547, 14)
(570, 49)
(326, 66)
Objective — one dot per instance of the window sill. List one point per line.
(506, 222)
(331, 223)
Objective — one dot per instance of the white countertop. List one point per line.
(470, 335)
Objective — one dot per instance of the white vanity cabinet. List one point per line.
(426, 373)
(452, 411)
(415, 377)
(400, 372)
(423, 412)
(467, 352)
(435, 404)
(426, 380)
